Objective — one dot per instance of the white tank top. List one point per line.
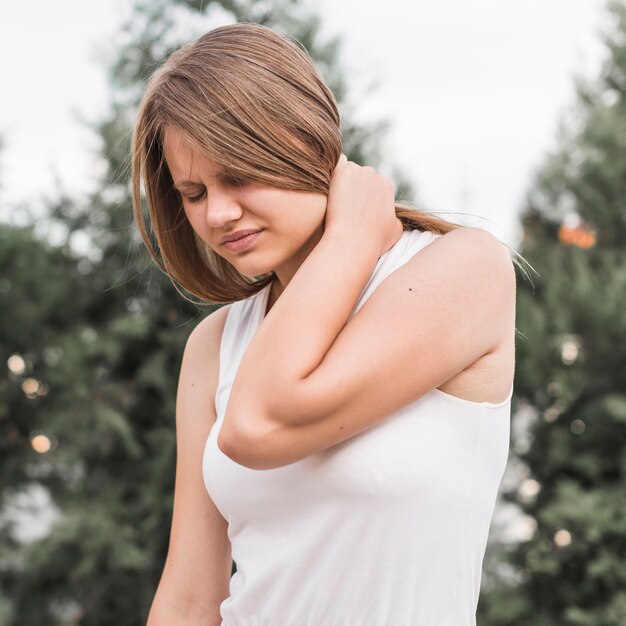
(387, 528)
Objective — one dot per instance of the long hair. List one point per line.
(252, 100)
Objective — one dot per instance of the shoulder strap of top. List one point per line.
(241, 322)
(246, 315)
(409, 244)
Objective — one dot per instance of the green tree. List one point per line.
(571, 370)
(95, 338)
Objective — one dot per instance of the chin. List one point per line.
(255, 266)
(253, 272)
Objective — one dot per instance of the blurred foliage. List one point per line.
(98, 380)
(92, 336)
(571, 370)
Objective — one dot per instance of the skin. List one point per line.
(327, 394)
(349, 229)
(292, 221)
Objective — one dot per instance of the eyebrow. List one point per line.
(182, 183)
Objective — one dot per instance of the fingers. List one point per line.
(343, 160)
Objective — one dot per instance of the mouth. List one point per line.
(244, 233)
(236, 245)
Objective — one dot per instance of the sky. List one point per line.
(473, 91)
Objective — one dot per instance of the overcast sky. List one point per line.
(473, 89)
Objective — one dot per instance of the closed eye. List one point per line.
(229, 181)
(196, 198)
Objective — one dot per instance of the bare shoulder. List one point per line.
(200, 365)
(208, 331)
(197, 571)
(491, 261)
(492, 276)
(481, 248)
(468, 260)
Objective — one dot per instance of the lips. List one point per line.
(239, 245)
(239, 235)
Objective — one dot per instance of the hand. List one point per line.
(362, 202)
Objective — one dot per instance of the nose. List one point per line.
(222, 206)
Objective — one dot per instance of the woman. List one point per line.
(343, 422)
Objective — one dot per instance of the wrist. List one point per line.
(350, 239)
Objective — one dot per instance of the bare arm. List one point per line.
(450, 302)
(359, 225)
(298, 331)
(310, 378)
(197, 570)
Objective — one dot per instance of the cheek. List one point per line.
(305, 213)
(195, 220)
(198, 225)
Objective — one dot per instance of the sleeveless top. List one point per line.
(387, 528)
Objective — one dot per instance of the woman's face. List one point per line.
(291, 222)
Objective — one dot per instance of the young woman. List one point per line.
(343, 422)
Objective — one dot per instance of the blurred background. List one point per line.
(508, 116)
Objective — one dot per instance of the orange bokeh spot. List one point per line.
(578, 236)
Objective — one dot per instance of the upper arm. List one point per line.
(198, 567)
(426, 322)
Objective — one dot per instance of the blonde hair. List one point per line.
(252, 100)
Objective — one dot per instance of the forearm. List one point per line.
(164, 614)
(299, 330)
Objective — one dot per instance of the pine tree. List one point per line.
(570, 381)
(94, 341)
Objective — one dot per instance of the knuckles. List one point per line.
(354, 169)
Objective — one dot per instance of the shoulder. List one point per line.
(470, 254)
(464, 277)
(210, 328)
(199, 375)
(208, 331)
(200, 362)
(475, 240)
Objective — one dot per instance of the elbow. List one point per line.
(238, 450)
(249, 451)
(258, 442)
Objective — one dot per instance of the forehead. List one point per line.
(181, 157)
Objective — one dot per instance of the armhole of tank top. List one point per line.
(475, 403)
(429, 236)
(425, 238)
(422, 239)
(456, 399)
(222, 352)
(226, 340)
